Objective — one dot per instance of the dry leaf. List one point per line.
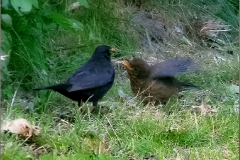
(21, 127)
(204, 108)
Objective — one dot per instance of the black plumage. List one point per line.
(91, 81)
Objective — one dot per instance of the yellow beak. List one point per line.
(127, 64)
(112, 50)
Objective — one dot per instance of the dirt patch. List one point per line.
(150, 27)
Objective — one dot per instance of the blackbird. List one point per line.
(157, 83)
(91, 81)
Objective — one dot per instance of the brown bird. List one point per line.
(157, 83)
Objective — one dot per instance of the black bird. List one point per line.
(157, 83)
(91, 81)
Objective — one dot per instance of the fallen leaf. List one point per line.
(21, 127)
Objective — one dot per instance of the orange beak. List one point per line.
(127, 64)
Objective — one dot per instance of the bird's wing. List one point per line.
(173, 67)
(90, 76)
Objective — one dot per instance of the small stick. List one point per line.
(66, 122)
(113, 129)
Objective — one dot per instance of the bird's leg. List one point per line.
(90, 109)
(79, 103)
(94, 106)
(95, 103)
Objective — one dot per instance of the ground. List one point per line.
(201, 124)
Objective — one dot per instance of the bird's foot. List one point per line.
(84, 109)
(101, 110)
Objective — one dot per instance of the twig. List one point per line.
(40, 148)
(15, 93)
(113, 129)
(103, 127)
(66, 122)
(26, 139)
(14, 97)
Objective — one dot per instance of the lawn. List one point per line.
(45, 48)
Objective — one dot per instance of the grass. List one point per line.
(127, 129)
(140, 132)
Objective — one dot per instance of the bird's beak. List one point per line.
(127, 64)
(112, 50)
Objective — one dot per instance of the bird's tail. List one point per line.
(53, 87)
(188, 86)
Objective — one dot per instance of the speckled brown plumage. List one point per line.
(157, 83)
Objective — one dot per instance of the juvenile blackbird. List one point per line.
(157, 83)
(91, 81)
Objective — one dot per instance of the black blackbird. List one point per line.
(91, 81)
(157, 83)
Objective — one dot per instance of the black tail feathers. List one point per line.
(54, 87)
(41, 88)
(189, 86)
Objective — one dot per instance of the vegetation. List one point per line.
(44, 42)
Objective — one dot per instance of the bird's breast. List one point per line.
(156, 89)
(138, 85)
